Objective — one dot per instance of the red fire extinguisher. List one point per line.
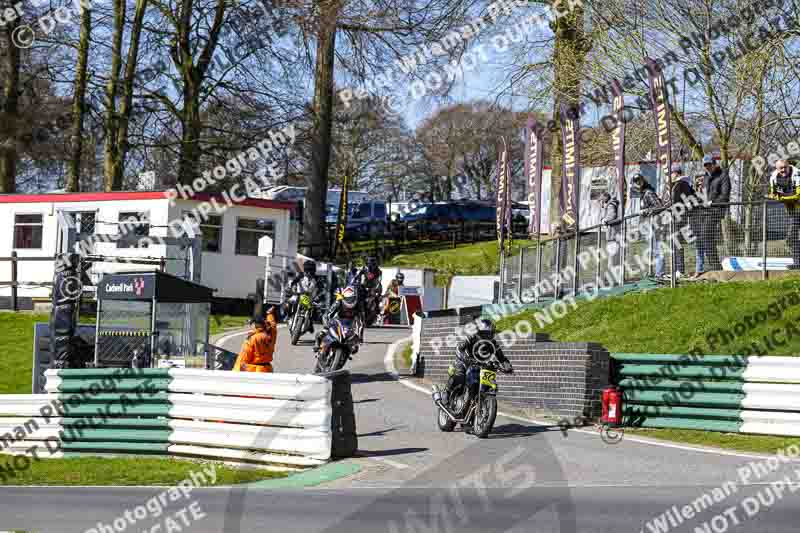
(612, 406)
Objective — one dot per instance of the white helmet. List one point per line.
(348, 297)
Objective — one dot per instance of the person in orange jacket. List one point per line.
(258, 348)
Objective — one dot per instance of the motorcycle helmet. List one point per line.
(638, 182)
(348, 297)
(400, 277)
(485, 329)
(310, 268)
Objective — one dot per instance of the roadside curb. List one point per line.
(309, 478)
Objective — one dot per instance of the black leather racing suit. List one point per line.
(464, 358)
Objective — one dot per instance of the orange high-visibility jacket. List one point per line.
(256, 354)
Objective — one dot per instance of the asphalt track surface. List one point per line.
(524, 478)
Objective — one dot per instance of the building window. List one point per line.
(84, 223)
(28, 231)
(212, 232)
(249, 231)
(133, 225)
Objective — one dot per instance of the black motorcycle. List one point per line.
(338, 346)
(475, 402)
(303, 319)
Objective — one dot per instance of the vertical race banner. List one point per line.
(341, 220)
(661, 110)
(502, 192)
(618, 143)
(534, 149)
(570, 168)
(507, 204)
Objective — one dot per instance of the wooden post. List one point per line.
(764, 235)
(14, 301)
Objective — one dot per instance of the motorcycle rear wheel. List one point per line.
(485, 416)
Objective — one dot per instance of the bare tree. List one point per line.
(118, 116)
(9, 105)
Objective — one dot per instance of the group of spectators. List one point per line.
(706, 198)
(708, 223)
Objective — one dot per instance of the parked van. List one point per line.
(368, 219)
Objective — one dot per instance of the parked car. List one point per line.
(368, 220)
(433, 219)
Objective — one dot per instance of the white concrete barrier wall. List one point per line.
(468, 291)
(238, 416)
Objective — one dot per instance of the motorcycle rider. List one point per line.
(392, 291)
(305, 284)
(482, 330)
(370, 285)
(345, 308)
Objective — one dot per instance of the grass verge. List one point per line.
(767, 444)
(16, 345)
(481, 258)
(402, 357)
(220, 323)
(673, 320)
(128, 471)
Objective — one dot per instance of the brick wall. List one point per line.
(550, 378)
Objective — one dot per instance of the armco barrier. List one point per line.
(287, 420)
(713, 392)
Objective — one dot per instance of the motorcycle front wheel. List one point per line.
(484, 418)
(339, 359)
(296, 329)
(444, 422)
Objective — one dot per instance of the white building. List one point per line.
(230, 261)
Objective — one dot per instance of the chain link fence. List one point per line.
(737, 236)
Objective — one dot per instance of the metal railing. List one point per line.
(735, 235)
(16, 283)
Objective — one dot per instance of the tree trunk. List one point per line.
(190, 135)
(79, 103)
(111, 122)
(183, 54)
(314, 213)
(569, 55)
(9, 109)
(124, 117)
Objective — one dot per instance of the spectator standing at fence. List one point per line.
(682, 191)
(697, 222)
(785, 181)
(718, 186)
(610, 207)
(650, 204)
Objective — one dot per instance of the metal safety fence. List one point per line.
(668, 244)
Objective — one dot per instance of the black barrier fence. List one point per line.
(383, 240)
